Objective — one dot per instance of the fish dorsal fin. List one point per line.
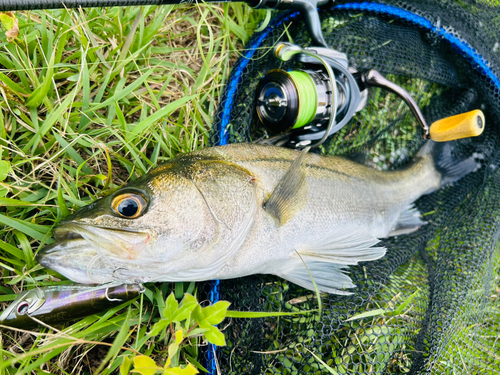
(290, 195)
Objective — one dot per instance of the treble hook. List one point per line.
(111, 299)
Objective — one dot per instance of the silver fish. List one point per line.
(236, 210)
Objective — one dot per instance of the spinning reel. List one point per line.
(306, 106)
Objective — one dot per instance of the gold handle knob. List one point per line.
(464, 125)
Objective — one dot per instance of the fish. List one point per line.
(61, 303)
(236, 210)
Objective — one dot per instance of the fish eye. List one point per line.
(22, 308)
(129, 205)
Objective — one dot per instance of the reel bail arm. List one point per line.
(284, 52)
(307, 8)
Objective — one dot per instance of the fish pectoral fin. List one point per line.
(290, 195)
(408, 222)
(328, 277)
(345, 245)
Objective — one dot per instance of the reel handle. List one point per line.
(375, 79)
(464, 125)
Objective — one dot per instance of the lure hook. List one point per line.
(109, 298)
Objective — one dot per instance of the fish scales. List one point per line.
(236, 210)
(339, 192)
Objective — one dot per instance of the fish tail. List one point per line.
(451, 167)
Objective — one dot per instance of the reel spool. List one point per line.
(307, 100)
(291, 100)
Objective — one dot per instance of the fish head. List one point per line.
(19, 311)
(150, 228)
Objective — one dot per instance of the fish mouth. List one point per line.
(73, 231)
(68, 257)
(91, 254)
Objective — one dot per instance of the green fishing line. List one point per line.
(308, 97)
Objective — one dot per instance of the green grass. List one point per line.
(92, 99)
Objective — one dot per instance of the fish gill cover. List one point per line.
(431, 305)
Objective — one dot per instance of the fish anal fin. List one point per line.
(345, 245)
(328, 277)
(290, 195)
(328, 258)
(408, 222)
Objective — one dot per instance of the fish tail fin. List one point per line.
(451, 167)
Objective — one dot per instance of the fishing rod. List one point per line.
(308, 8)
(304, 106)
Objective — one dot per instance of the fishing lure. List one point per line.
(57, 304)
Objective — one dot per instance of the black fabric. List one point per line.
(434, 298)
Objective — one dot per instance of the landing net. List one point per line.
(431, 305)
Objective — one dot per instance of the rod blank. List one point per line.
(11, 5)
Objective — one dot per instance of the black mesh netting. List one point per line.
(431, 305)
